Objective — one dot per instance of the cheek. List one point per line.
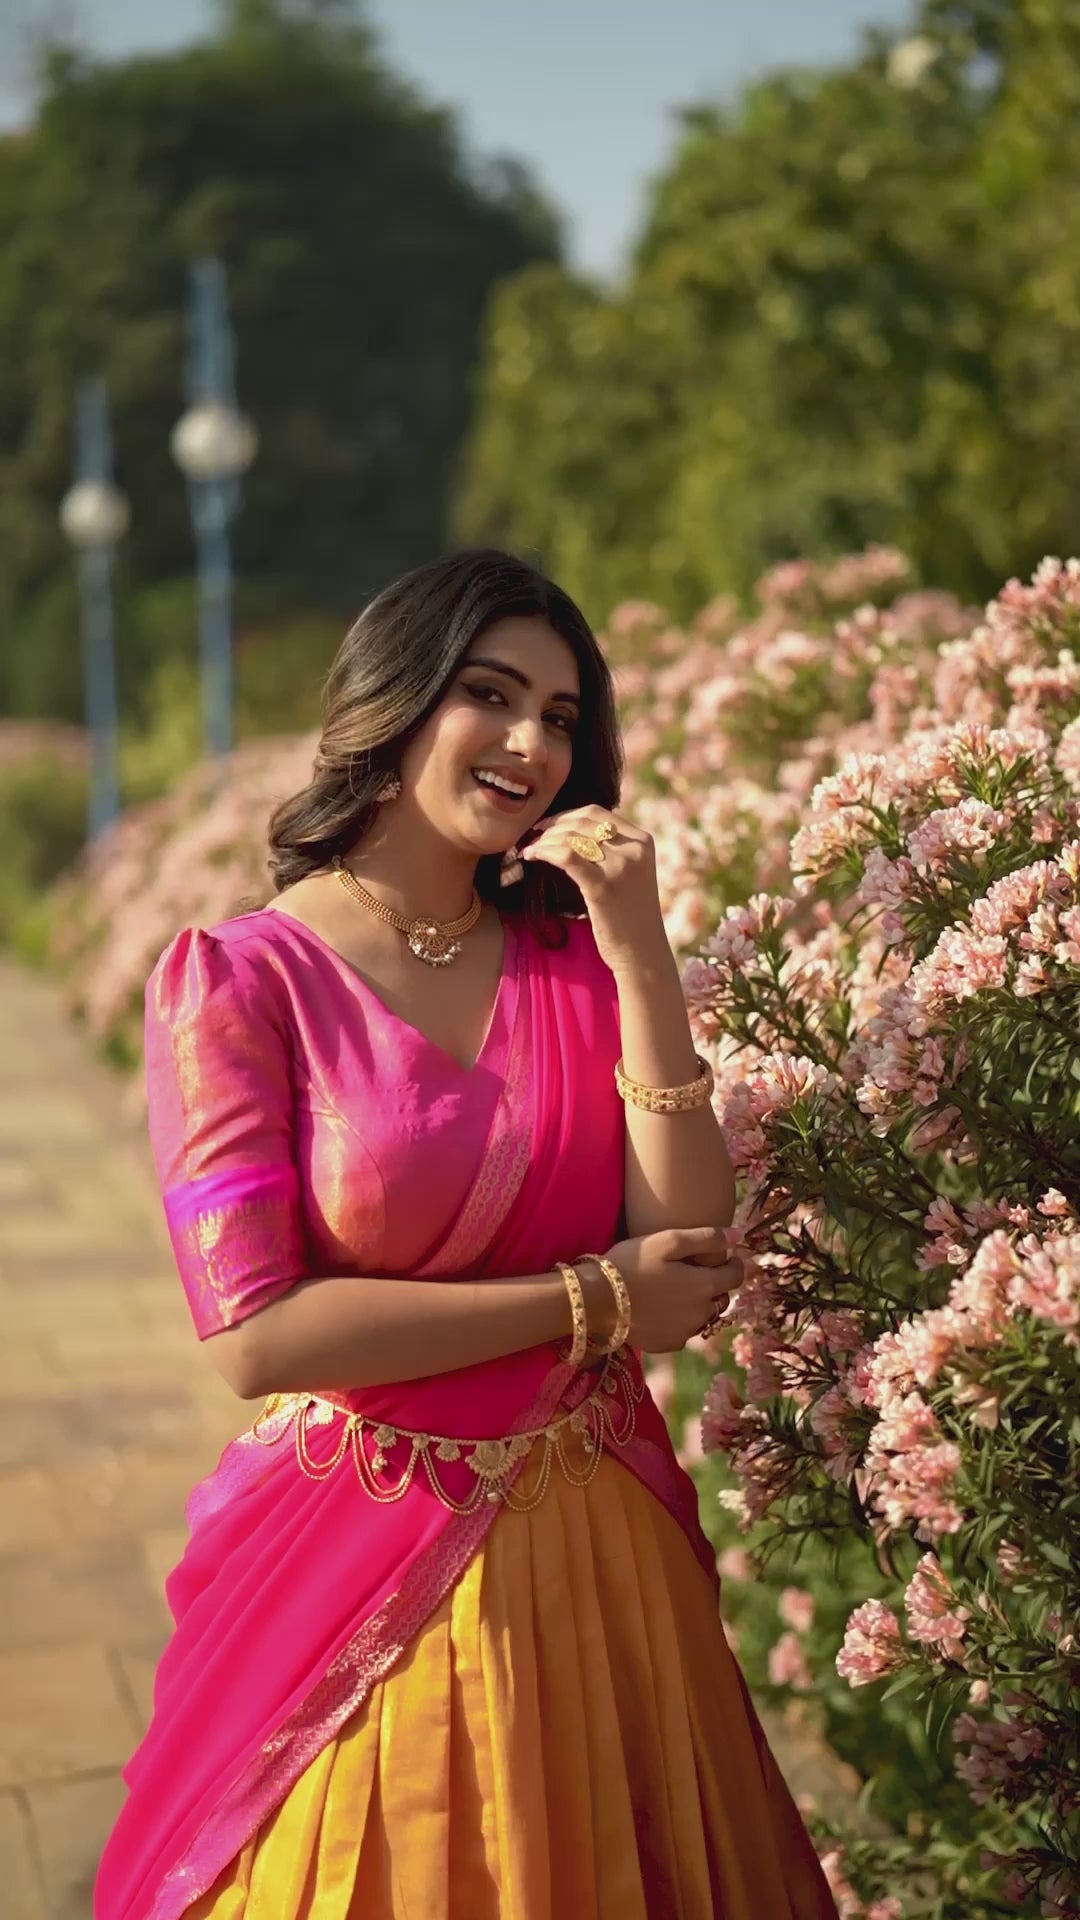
(451, 736)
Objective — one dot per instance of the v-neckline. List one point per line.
(506, 971)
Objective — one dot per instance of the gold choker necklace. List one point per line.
(435, 941)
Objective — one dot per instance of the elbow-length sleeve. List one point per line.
(219, 1104)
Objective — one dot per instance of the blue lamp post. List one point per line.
(94, 515)
(213, 445)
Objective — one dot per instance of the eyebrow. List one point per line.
(514, 673)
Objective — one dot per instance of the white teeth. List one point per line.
(502, 786)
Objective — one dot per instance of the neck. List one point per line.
(414, 875)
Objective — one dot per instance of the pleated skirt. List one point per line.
(567, 1738)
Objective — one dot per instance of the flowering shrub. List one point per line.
(195, 856)
(727, 728)
(898, 1058)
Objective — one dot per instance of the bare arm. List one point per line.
(346, 1331)
(677, 1168)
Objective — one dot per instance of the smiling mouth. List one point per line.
(491, 783)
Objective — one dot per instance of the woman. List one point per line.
(447, 1644)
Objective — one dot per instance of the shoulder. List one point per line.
(230, 961)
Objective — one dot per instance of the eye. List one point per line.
(485, 696)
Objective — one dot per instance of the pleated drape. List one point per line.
(567, 1739)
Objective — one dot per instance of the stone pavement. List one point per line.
(109, 1412)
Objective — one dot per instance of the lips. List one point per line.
(503, 773)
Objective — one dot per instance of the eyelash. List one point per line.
(478, 691)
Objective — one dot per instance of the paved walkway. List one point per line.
(109, 1412)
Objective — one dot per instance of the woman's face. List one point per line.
(511, 712)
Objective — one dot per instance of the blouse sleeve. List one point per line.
(219, 1107)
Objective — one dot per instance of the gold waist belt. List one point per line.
(576, 1440)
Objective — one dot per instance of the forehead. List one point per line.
(527, 642)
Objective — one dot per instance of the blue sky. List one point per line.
(581, 89)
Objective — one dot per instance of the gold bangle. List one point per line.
(580, 1343)
(696, 1093)
(622, 1300)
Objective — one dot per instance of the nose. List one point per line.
(526, 738)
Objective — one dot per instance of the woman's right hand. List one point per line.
(677, 1280)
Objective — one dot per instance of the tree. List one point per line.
(361, 248)
(850, 317)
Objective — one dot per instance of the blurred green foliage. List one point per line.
(278, 677)
(42, 828)
(853, 315)
(361, 246)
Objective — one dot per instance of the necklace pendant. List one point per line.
(432, 944)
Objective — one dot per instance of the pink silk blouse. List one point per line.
(301, 1128)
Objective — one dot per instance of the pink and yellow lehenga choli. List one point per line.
(414, 1676)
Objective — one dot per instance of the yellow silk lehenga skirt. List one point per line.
(567, 1736)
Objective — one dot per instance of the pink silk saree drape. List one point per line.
(295, 1595)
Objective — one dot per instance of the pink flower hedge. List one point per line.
(898, 1050)
(195, 856)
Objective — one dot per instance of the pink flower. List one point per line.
(759, 1354)
(1007, 903)
(734, 1563)
(999, 1752)
(723, 1422)
(830, 1418)
(933, 1617)
(1068, 755)
(848, 1904)
(912, 1470)
(796, 1609)
(1047, 1282)
(632, 616)
(842, 1331)
(787, 1664)
(969, 828)
(872, 1645)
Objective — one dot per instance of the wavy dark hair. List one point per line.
(392, 670)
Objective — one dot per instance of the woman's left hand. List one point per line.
(620, 892)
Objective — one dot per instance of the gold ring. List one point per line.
(713, 1324)
(589, 849)
(605, 831)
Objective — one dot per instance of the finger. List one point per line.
(733, 1274)
(629, 828)
(574, 865)
(555, 849)
(693, 1240)
(560, 851)
(591, 816)
(577, 818)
